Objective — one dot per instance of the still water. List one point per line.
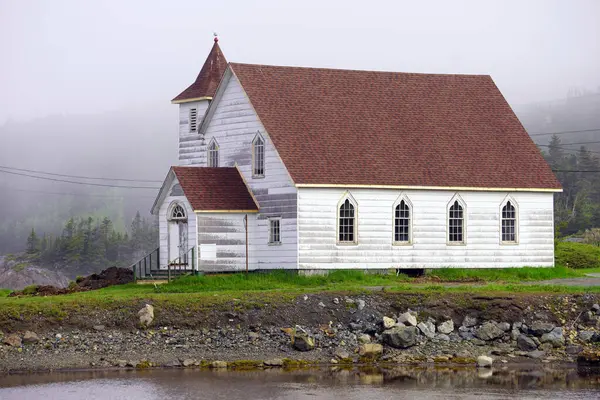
(397, 383)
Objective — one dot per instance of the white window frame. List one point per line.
(254, 158)
(193, 119)
(352, 201)
(210, 151)
(272, 241)
(172, 208)
(461, 202)
(407, 201)
(516, 206)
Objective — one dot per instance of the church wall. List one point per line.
(317, 230)
(234, 125)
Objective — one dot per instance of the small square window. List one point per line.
(275, 231)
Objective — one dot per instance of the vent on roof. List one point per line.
(193, 120)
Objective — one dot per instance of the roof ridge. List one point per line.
(233, 64)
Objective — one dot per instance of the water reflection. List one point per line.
(334, 383)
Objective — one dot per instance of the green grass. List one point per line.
(4, 292)
(341, 280)
(280, 280)
(121, 302)
(508, 275)
(256, 290)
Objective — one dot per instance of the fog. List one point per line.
(85, 87)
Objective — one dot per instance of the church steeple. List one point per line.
(208, 79)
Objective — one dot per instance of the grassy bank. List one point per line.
(278, 286)
(119, 305)
(256, 290)
(342, 280)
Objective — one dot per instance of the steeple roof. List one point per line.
(208, 79)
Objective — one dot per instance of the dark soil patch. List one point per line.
(109, 277)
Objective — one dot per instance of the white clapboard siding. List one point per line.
(174, 193)
(318, 248)
(234, 125)
(227, 232)
(191, 145)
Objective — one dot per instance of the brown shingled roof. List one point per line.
(217, 189)
(349, 127)
(209, 77)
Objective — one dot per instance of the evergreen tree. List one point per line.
(32, 242)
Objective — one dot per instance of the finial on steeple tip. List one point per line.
(216, 37)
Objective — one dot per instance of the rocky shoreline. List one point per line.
(378, 328)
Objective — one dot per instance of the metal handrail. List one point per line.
(177, 263)
(150, 264)
(145, 263)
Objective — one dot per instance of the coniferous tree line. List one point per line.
(577, 208)
(87, 244)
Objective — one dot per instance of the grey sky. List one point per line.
(74, 56)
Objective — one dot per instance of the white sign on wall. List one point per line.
(208, 252)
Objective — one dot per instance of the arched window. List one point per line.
(258, 157)
(347, 222)
(213, 154)
(178, 213)
(456, 223)
(402, 232)
(509, 223)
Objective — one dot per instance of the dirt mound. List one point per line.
(109, 277)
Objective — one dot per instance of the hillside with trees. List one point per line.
(88, 245)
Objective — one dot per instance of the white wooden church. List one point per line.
(311, 169)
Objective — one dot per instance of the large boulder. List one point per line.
(469, 321)
(401, 337)
(446, 327)
(407, 319)
(341, 353)
(364, 338)
(146, 315)
(554, 337)
(538, 328)
(303, 342)
(30, 337)
(370, 350)
(525, 343)
(12, 340)
(505, 326)
(466, 333)
(427, 328)
(388, 322)
(218, 364)
(586, 336)
(485, 361)
(489, 331)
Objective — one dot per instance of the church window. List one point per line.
(509, 223)
(258, 157)
(347, 222)
(213, 154)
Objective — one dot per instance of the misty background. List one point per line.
(85, 87)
